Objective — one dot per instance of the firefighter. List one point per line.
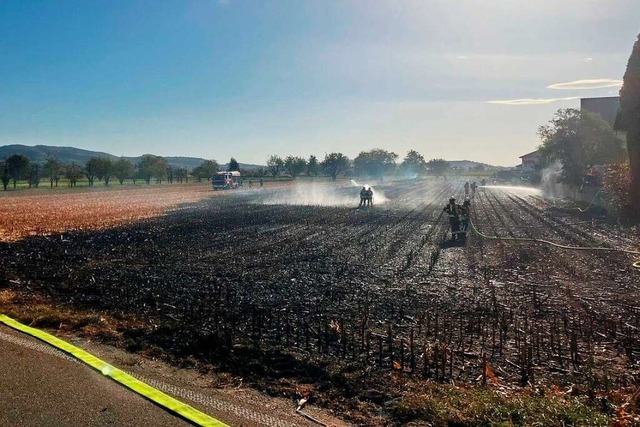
(370, 196)
(466, 189)
(454, 220)
(363, 197)
(474, 187)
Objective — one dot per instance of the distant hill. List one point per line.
(66, 155)
(469, 164)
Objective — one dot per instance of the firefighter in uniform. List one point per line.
(363, 197)
(454, 220)
(370, 196)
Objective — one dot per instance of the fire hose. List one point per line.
(636, 264)
(590, 204)
(156, 396)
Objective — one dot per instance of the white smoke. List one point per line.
(318, 194)
(378, 195)
(550, 178)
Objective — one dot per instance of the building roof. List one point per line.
(531, 154)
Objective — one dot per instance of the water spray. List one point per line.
(378, 196)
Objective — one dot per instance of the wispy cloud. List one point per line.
(532, 101)
(587, 84)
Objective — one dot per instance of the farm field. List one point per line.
(293, 287)
(44, 211)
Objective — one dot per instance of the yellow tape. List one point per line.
(119, 376)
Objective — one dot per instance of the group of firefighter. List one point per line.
(458, 214)
(366, 197)
(458, 217)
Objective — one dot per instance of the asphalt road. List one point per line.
(40, 389)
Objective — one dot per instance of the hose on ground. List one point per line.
(557, 245)
(590, 204)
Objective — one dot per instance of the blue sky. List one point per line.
(459, 79)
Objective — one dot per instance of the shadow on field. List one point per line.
(448, 244)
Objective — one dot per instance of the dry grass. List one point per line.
(25, 213)
(43, 211)
(35, 311)
(445, 405)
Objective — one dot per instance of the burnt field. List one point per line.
(287, 294)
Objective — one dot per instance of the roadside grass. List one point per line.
(36, 312)
(446, 405)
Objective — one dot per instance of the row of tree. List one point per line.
(375, 163)
(99, 169)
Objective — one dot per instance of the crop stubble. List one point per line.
(227, 278)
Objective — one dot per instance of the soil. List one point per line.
(342, 302)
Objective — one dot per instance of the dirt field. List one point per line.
(282, 293)
(44, 211)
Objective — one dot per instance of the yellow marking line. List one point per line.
(182, 409)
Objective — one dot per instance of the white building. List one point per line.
(530, 162)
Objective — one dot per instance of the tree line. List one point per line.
(149, 168)
(376, 163)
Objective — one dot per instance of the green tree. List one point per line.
(181, 175)
(18, 168)
(438, 167)
(413, 163)
(53, 170)
(630, 122)
(234, 165)
(376, 163)
(5, 175)
(578, 139)
(152, 167)
(313, 167)
(34, 176)
(73, 173)
(206, 169)
(335, 164)
(275, 165)
(123, 169)
(103, 169)
(91, 169)
(294, 165)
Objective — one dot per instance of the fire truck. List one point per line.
(226, 180)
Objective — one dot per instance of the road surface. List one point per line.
(41, 386)
(40, 389)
